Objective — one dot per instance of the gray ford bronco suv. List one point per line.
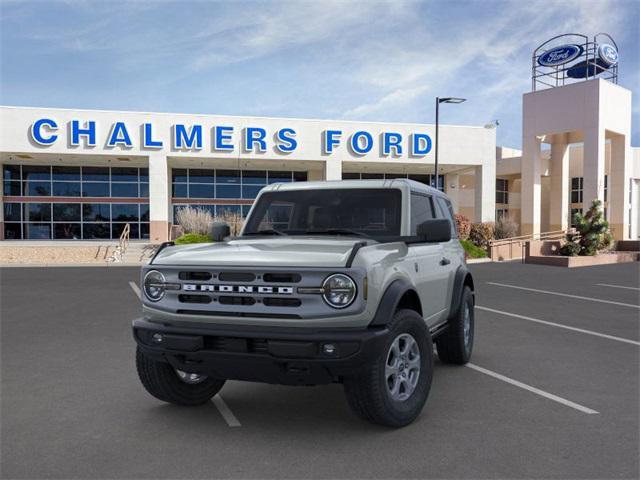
(345, 281)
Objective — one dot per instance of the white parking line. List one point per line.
(535, 390)
(566, 327)
(617, 286)
(225, 411)
(566, 295)
(135, 289)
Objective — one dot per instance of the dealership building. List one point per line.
(85, 174)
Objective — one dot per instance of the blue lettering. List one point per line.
(255, 135)
(221, 137)
(119, 136)
(147, 138)
(36, 131)
(186, 139)
(356, 144)
(421, 144)
(391, 140)
(89, 131)
(286, 141)
(330, 141)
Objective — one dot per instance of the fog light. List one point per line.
(329, 348)
(157, 338)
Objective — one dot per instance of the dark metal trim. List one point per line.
(162, 246)
(354, 251)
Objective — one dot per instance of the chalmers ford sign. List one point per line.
(45, 132)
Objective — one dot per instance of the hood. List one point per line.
(271, 251)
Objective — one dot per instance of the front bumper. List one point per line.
(272, 355)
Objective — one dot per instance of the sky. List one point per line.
(344, 60)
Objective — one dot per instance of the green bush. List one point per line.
(472, 250)
(482, 233)
(192, 238)
(592, 233)
(463, 226)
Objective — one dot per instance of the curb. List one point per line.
(68, 265)
(478, 260)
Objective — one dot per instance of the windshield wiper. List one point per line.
(337, 231)
(266, 231)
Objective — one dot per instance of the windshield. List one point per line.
(370, 212)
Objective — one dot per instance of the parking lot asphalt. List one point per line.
(552, 391)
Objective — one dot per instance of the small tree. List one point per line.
(463, 226)
(591, 235)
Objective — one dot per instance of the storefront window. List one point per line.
(502, 190)
(201, 185)
(576, 190)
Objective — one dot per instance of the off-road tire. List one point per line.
(367, 392)
(161, 380)
(451, 345)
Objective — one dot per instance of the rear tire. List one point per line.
(163, 382)
(456, 342)
(377, 393)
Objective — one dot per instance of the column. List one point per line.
(559, 204)
(618, 188)
(159, 197)
(531, 187)
(452, 189)
(332, 169)
(485, 192)
(593, 167)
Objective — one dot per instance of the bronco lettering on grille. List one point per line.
(262, 289)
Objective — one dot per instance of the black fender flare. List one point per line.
(389, 302)
(462, 277)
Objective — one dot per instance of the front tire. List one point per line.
(173, 386)
(456, 342)
(393, 389)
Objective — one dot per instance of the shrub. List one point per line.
(463, 226)
(591, 233)
(192, 238)
(194, 220)
(505, 228)
(482, 233)
(472, 250)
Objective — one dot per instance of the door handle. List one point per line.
(445, 261)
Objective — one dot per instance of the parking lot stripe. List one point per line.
(135, 289)
(611, 302)
(566, 327)
(225, 411)
(535, 390)
(617, 286)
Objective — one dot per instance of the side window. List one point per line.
(446, 211)
(421, 210)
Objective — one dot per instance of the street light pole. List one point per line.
(437, 142)
(438, 102)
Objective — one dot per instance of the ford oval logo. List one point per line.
(560, 55)
(608, 54)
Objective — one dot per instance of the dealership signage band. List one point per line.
(45, 132)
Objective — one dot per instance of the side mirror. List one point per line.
(219, 231)
(436, 230)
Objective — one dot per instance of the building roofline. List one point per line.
(16, 107)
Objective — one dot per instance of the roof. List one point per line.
(334, 184)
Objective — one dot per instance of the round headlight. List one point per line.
(339, 290)
(154, 285)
